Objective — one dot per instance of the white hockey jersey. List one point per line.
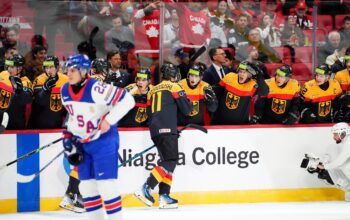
(94, 102)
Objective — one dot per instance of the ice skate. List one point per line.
(166, 202)
(144, 195)
(72, 202)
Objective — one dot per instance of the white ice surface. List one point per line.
(251, 211)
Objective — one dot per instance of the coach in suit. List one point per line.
(216, 71)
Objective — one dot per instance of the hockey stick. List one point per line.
(197, 54)
(30, 153)
(198, 127)
(27, 179)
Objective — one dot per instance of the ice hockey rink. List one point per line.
(248, 211)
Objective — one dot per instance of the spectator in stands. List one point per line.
(47, 110)
(34, 62)
(146, 28)
(270, 34)
(292, 34)
(242, 7)
(235, 93)
(217, 32)
(281, 105)
(345, 29)
(171, 31)
(12, 40)
(303, 21)
(266, 53)
(120, 33)
(341, 63)
(272, 8)
(332, 44)
(338, 54)
(238, 35)
(320, 98)
(217, 70)
(230, 62)
(288, 55)
(8, 54)
(116, 76)
(183, 62)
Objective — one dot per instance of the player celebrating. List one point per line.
(163, 101)
(91, 140)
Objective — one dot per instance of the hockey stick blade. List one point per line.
(197, 54)
(26, 179)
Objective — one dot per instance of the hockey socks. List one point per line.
(157, 175)
(114, 208)
(93, 207)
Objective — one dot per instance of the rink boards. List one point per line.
(228, 165)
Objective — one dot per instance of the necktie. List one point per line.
(222, 74)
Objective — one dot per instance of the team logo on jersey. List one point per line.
(195, 109)
(278, 106)
(5, 97)
(232, 101)
(324, 108)
(141, 115)
(55, 102)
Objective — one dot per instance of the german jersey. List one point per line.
(321, 102)
(279, 101)
(235, 101)
(163, 102)
(47, 104)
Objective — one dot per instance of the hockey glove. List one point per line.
(209, 95)
(50, 83)
(16, 83)
(72, 148)
(291, 119)
(254, 120)
(4, 122)
(308, 117)
(339, 116)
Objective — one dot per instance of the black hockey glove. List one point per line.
(209, 94)
(140, 98)
(16, 83)
(50, 83)
(338, 116)
(307, 116)
(255, 120)
(291, 119)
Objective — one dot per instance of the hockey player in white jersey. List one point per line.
(91, 140)
(334, 166)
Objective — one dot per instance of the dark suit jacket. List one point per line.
(211, 76)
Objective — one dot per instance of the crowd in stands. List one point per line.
(296, 54)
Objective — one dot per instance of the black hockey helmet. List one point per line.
(101, 65)
(17, 61)
(143, 73)
(51, 61)
(251, 68)
(196, 70)
(322, 69)
(169, 70)
(284, 70)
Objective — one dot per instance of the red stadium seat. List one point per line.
(321, 36)
(302, 72)
(271, 67)
(325, 22)
(339, 20)
(304, 54)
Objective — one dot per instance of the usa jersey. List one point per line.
(89, 106)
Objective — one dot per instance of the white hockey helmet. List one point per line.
(342, 129)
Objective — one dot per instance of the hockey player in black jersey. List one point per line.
(163, 102)
(99, 69)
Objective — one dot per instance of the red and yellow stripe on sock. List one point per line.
(158, 173)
